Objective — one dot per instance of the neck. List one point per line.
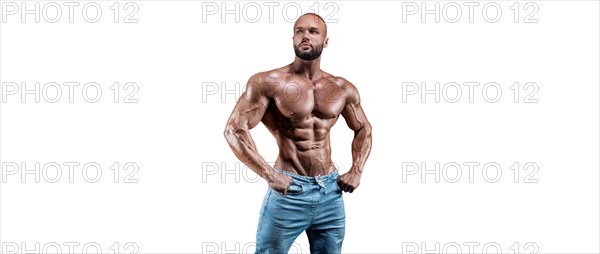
(310, 69)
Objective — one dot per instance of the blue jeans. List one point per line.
(311, 204)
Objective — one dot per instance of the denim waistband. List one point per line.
(311, 179)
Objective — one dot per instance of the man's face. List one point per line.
(309, 37)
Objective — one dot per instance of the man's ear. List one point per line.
(326, 42)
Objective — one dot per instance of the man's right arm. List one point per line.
(248, 112)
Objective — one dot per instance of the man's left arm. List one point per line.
(361, 145)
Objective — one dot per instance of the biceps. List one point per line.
(355, 116)
(248, 113)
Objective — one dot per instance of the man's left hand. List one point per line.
(349, 181)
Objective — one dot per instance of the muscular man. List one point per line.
(299, 103)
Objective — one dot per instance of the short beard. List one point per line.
(313, 54)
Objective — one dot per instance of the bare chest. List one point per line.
(300, 99)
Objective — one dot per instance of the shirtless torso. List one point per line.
(300, 114)
(299, 103)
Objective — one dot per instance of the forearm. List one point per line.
(361, 148)
(245, 150)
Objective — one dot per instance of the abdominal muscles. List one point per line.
(303, 143)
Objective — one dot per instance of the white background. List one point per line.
(183, 203)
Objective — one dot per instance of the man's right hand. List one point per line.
(279, 182)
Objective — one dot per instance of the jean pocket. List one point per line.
(337, 186)
(294, 189)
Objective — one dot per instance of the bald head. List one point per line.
(314, 18)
